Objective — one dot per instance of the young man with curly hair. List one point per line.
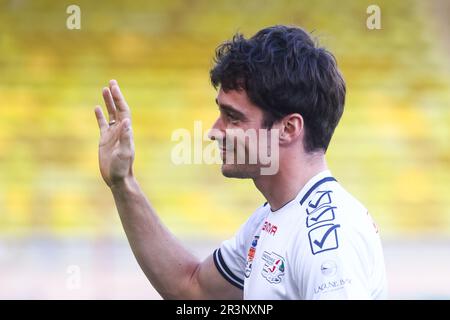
(311, 239)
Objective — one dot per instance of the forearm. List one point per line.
(166, 263)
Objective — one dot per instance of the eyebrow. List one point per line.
(230, 109)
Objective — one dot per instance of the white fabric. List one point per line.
(321, 245)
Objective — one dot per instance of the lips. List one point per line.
(221, 148)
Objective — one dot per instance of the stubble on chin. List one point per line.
(238, 171)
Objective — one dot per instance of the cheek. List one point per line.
(242, 140)
(243, 134)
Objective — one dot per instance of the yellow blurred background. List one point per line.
(391, 149)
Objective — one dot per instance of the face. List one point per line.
(238, 133)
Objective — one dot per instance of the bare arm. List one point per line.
(173, 271)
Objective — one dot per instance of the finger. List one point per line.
(109, 101)
(112, 82)
(102, 124)
(126, 139)
(119, 100)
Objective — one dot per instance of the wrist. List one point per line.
(125, 183)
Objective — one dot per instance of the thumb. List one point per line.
(125, 133)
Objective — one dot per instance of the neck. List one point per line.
(294, 172)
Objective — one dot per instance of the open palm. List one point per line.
(116, 146)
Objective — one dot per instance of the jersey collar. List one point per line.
(307, 190)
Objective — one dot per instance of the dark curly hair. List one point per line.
(283, 71)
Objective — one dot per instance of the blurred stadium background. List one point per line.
(391, 149)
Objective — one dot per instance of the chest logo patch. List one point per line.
(274, 267)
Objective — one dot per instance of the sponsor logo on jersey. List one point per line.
(328, 268)
(321, 198)
(270, 228)
(323, 238)
(332, 285)
(274, 267)
(251, 256)
(320, 209)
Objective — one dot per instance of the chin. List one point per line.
(239, 171)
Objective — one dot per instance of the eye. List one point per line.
(231, 117)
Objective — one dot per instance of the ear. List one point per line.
(292, 128)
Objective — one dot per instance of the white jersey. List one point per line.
(321, 245)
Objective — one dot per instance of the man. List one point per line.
(312, 239)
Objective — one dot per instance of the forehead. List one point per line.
(238, 99)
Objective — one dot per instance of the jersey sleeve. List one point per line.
(332, 273)
(230, 258)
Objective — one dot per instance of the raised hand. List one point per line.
(116, 146)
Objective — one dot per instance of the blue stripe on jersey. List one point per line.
(225, 271)
(315, 186)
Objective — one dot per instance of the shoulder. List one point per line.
(333, 220)
(335, 241)
(353, 216)
(253, 222)
(258, 215)
(331, 202)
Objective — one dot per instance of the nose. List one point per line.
(216, 132)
